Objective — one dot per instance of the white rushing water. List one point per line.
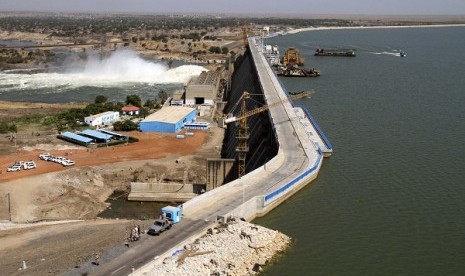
(122, 66)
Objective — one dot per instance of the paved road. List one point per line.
(141, 253)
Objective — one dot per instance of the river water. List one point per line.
(80, 77)
(390, 201)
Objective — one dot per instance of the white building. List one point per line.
(102, 118)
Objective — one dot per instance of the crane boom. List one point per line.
(242, 131)
(265, 107)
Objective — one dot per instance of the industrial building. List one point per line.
(169, 119)
(75, 138)
(97, 136)
(177, 98)
(203, 89)
(102, 119)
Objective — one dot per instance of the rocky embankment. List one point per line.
(235, 248)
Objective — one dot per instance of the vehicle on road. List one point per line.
(159, 226)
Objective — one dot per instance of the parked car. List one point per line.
(14, 168)
(67, 162)
(29, 165)
(159, 226)
(45, 156)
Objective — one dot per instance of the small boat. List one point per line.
(402, 53)
(296, 93)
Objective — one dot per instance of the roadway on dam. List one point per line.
(295, 155)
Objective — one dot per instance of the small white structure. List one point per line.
(102, 118)
(178, 98)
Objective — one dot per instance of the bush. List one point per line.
(126, 125)
(215, 49)
(5, 127)
(134, 100)
(100, 99)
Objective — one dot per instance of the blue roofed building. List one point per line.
(75, 138)
(97, 135)
(169, 119)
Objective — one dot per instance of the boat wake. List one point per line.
(123, 67)
(396, 54)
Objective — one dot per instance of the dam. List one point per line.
(287, 148)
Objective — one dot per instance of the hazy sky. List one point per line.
(368, 7)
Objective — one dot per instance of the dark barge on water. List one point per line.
(296, 71)
(334, 53)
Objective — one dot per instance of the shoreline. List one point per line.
(295, 31)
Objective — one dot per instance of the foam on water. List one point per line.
(123, 66)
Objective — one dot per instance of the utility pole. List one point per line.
(9, 205)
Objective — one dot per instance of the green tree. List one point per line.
(13, 128)
(100, 99)
(162, 96)
(126, 125)
(144, 112)
(134, 100)
(224, 50)
(215, 49)
(150, 104)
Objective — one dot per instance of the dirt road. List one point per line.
(52, 191)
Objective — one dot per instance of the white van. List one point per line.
(14, 168)
(29, 165)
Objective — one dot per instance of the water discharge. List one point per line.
(122, 66)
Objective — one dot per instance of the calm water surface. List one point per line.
(390, 201)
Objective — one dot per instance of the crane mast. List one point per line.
(243, 130)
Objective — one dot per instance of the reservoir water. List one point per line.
(391, 199)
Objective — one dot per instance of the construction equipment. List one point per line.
(292, 56)
(245, 31)
(243, 133)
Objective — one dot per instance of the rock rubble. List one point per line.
(233, 248)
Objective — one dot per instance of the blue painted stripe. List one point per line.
(318, 129)
(274, 195)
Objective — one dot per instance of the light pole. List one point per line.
(9, 205)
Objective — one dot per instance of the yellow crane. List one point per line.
(243, 132)
(245, 32)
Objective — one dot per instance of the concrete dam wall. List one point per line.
(262, 142)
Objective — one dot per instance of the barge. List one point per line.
(334, 53)
(296, 71)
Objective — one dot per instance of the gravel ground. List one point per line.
(63, 248)
(237, 248)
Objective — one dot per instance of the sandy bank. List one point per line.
(372, 27)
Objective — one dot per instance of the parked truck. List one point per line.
(169, 216)
(159, 226)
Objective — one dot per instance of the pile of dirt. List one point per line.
(248, 248)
